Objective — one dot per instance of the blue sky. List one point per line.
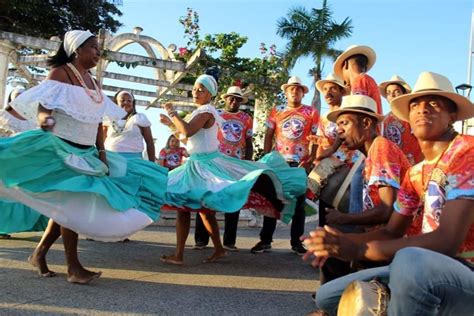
(409, 36)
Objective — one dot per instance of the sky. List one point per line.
(409, 36)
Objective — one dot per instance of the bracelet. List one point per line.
(172, 113)
(102, 151)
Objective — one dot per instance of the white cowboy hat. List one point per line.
(351, 51)
(358, 104)
(332, 78)
(236, 92)
(295, 81)
(396, 79)
(430, 83)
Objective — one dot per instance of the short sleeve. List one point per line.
(314, 122)
(141, 120)
(208, 109)
(249, 132)
(408, 200)
(271, 120)
(383, 169)
(162, 154)
(460, 183)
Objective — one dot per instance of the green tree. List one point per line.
(55, 17)
(312, 34)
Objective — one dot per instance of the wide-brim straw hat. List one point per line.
(236, 92)
(295, 81)
(430, 83)
(332, 78)
(351, 51)
(356, 104)
(396, 79)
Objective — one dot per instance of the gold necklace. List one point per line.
(97, 98)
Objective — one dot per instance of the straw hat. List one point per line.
(351, 51)
(396, 79)
(357, 104)
(236, 92)
(332, 78)
(295, 81)
(430, 83)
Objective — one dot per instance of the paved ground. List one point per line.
(135, 282)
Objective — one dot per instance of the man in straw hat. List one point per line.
(432, 273)
(394, 129)
(290, 126)
(352, 66)
(235, 140)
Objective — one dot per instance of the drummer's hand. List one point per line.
(330, 242)
(165, 120)
(306, 164)
(333, 216)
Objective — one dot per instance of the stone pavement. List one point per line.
(135, 282)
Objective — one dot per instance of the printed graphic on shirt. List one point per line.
(293, 127)
(234, 132)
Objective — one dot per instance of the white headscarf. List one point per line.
(74, 39)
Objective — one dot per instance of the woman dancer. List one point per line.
(61, 170)
(214, 181)
(126, 135)
(16, 217)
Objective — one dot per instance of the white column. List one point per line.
(5, 49)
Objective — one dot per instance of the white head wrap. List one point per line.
(209, 82)
(126, 92)
(74, 39)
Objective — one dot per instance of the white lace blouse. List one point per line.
(125, 135)
(205, 140)
(77, 115)
(10, 125)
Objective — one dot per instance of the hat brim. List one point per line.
(400, 105)
(320, 84)
(332, 116)
(244, 99)
(363, 50)
(383, 87)
(286, 85)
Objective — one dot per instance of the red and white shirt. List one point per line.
(234, 132)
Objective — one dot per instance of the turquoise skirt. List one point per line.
(17, 218)
(129, 155)
(218, 182)
(74, 188)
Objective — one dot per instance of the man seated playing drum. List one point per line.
(385, 164)
(432, 273)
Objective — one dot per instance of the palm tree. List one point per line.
(312, 34)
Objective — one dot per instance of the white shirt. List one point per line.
(125, 135)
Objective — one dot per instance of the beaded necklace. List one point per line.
(97, 98)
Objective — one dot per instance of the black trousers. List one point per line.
(230, 229)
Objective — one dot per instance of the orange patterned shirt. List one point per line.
(292, 127)
(234, 132)
(385, 165)
(366, 85)
(448, 178)
(399, 132)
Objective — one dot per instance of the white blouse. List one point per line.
(125, 135)
(205, 140)
(10, 125)
(77, 115)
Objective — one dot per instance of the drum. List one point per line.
(325, 181)
(362, 298)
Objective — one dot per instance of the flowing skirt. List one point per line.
(71, 185)
(16, 218)
(221, 183)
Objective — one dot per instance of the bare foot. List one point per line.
(215, 256)
(172, 259)
(40, 264)
(83, 276)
